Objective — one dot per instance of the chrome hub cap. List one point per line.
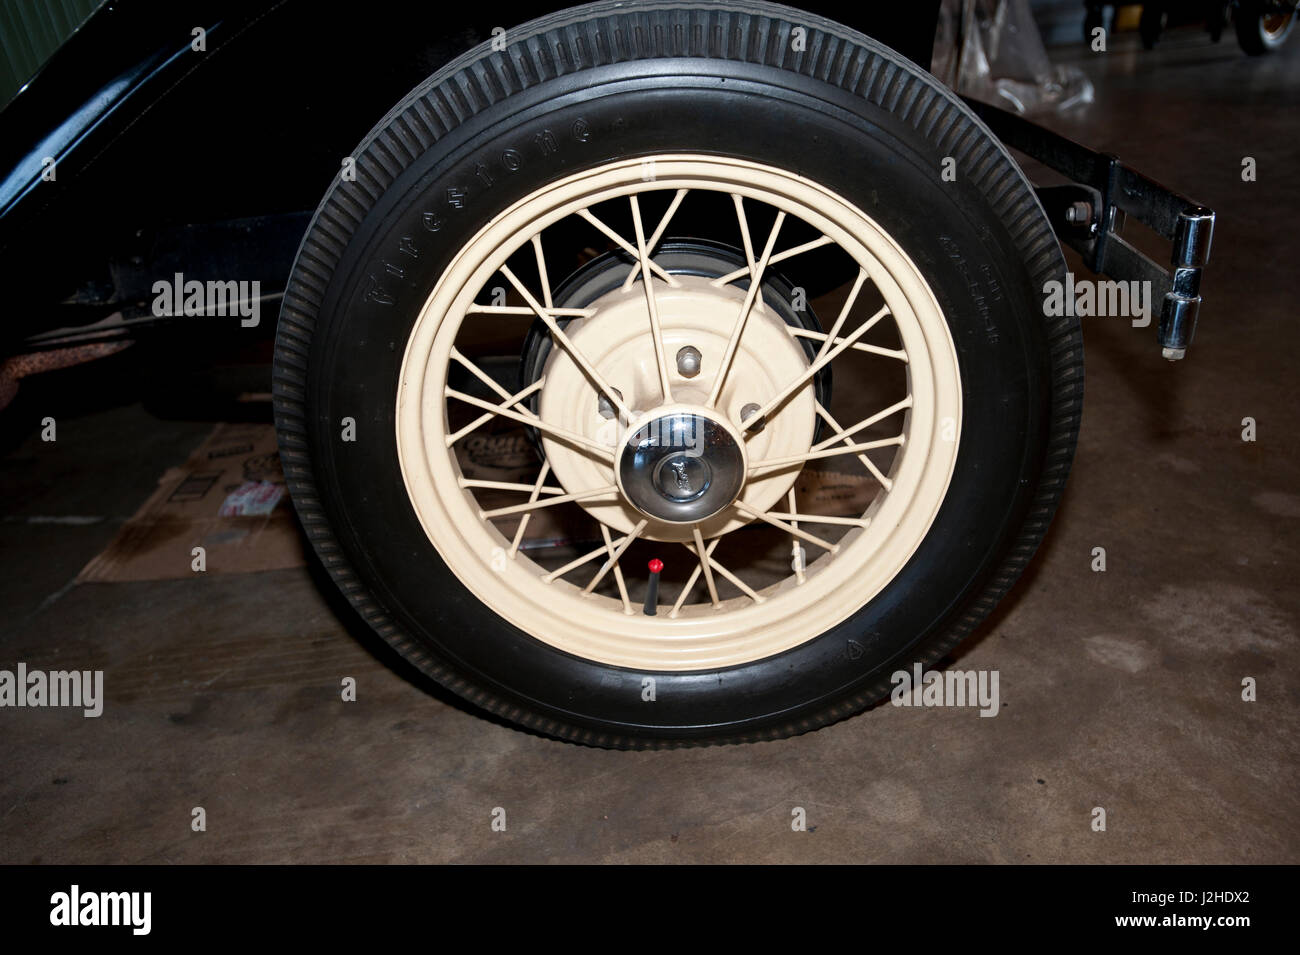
(682, 467)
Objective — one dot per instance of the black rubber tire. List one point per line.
(1248, 20)
(660, 76)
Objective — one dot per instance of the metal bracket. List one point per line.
(1088, 215)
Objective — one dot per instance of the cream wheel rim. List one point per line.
(591, 606)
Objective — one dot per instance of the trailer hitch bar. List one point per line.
(1088, 214)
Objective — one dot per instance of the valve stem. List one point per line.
(652, 591)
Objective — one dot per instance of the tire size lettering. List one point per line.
(510, 160)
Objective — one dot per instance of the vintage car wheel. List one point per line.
(1262, 27)
(577, 315)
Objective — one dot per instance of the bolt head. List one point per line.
(689, 361)
(604, 407)
(747, 412)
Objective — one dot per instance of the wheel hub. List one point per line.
(690, 445)
(681, 467)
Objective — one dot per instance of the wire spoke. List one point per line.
(751, 294)
(541, 273)
(509, 486)
(560, 434)
(897, 353)
(819, 518)
(526, 310)
(614, 555)
(558, 334)
(704, 555)
(843, 316)
(510, 402)
(695, 575)
(579, 561)
(766, 517)
(618, 573)
(778, 257)
(736, 581)
(745, 240)
(777, 463)
(845, 433)
(523, 521)
(625, 245)
(548, 502)
(479, 373)
(885, 482)
(823, 359)
(635, 270)
(656, 333)
(796, 552)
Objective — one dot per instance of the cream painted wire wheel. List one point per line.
(637, 165)
(622, 348)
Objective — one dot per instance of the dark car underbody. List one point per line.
(133, 157)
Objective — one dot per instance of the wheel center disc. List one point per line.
(682, 477)
(681, 466)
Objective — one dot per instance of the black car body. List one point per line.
(194, 138)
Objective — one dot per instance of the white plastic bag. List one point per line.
(991, 50)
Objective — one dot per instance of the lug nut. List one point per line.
(688, 361)
(604, 407)
(748, 412)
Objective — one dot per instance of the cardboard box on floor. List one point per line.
(237, 463)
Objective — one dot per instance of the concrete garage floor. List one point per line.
(1121, 690)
